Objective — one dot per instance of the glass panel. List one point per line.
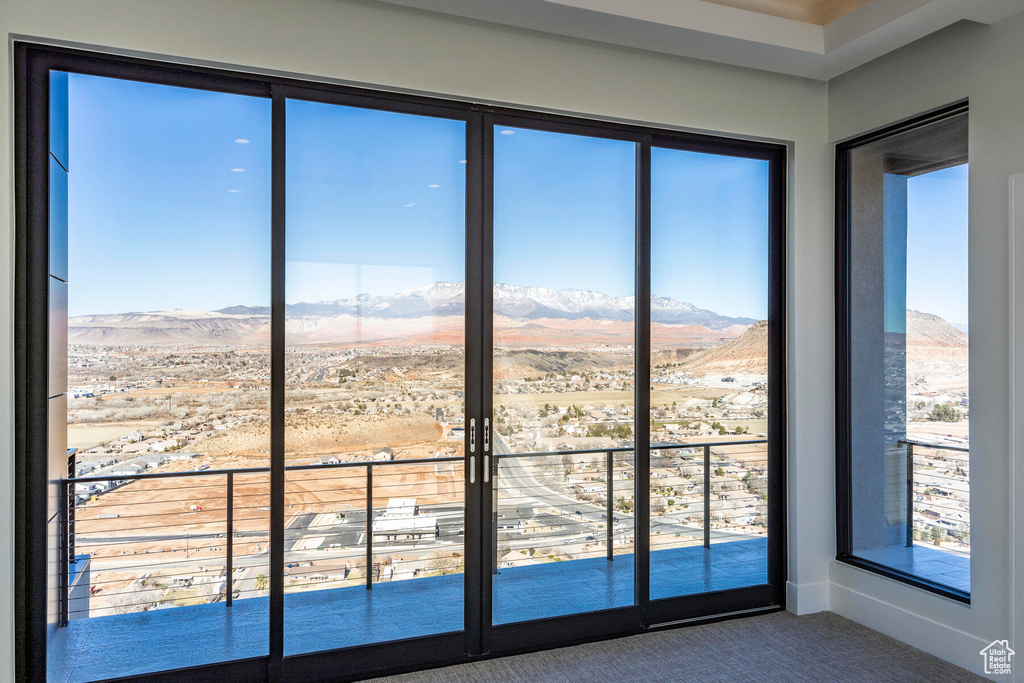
(564, 236)
(168, 232)
(709, 372)
(375, 373)
(908, 347)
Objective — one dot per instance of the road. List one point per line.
(516, 481)
(566, 520)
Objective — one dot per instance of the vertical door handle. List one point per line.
(472, 449)
(487, 449)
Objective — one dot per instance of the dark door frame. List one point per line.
(33, 62)
(844, 455)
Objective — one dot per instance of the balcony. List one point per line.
(359, 571)
(937, 522)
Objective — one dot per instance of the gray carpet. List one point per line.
(777, 647)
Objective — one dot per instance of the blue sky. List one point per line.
(153, 221)
(564, 211)
(375, 201)
(937, 243)
(709, 231)
(170, 208)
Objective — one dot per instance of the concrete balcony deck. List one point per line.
(941, 566)
(122, 645)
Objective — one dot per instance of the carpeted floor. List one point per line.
(823, 648)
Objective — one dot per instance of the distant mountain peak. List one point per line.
(515, 301)
(435, 301)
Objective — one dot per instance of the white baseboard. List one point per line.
(945, 642)
(807, 598)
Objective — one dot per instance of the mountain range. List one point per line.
(433, 313)
(513, 301)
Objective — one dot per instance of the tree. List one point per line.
(567, 464)
(260, 582)
(944, 413)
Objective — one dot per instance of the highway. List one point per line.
(519, 487)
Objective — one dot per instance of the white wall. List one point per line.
(377, 44)
(985, 64)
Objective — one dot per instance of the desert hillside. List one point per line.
(925, 329)
(936, 354)
(311, 432)
(747, 354)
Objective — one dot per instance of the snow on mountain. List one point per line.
(513, 301)
(426, 310)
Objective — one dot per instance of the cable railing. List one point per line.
(422, 518)
(945, 489)
(202, 535)
(609, 515)
(204, 524)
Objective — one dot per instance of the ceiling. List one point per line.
(818, 12)
(817, 39)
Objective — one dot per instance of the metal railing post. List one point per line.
(609, 505)
(67, 539)
(910, 495)
(70, 495)
(64, 565)
(494, 514)
(230, 582)
(707, 496)
(369, 527)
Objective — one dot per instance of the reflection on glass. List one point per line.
(709, 372)
(909, 346)
(168, 373)
(375, 376)
(564, 234)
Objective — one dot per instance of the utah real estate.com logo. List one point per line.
(998, 657)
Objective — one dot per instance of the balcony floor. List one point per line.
(940, 566)
(122, 645)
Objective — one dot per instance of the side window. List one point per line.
(904, 438)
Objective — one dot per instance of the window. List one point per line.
(341, 381)
(710, 222)
(904, 408)
(166, 374)
(564, 339)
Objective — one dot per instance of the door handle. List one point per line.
(472, 435)
(487, 449)
(472, 469)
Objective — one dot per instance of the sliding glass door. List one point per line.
(362, 382)
(563, 354)
(159, 423)
(709, 465)
(375, 376)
